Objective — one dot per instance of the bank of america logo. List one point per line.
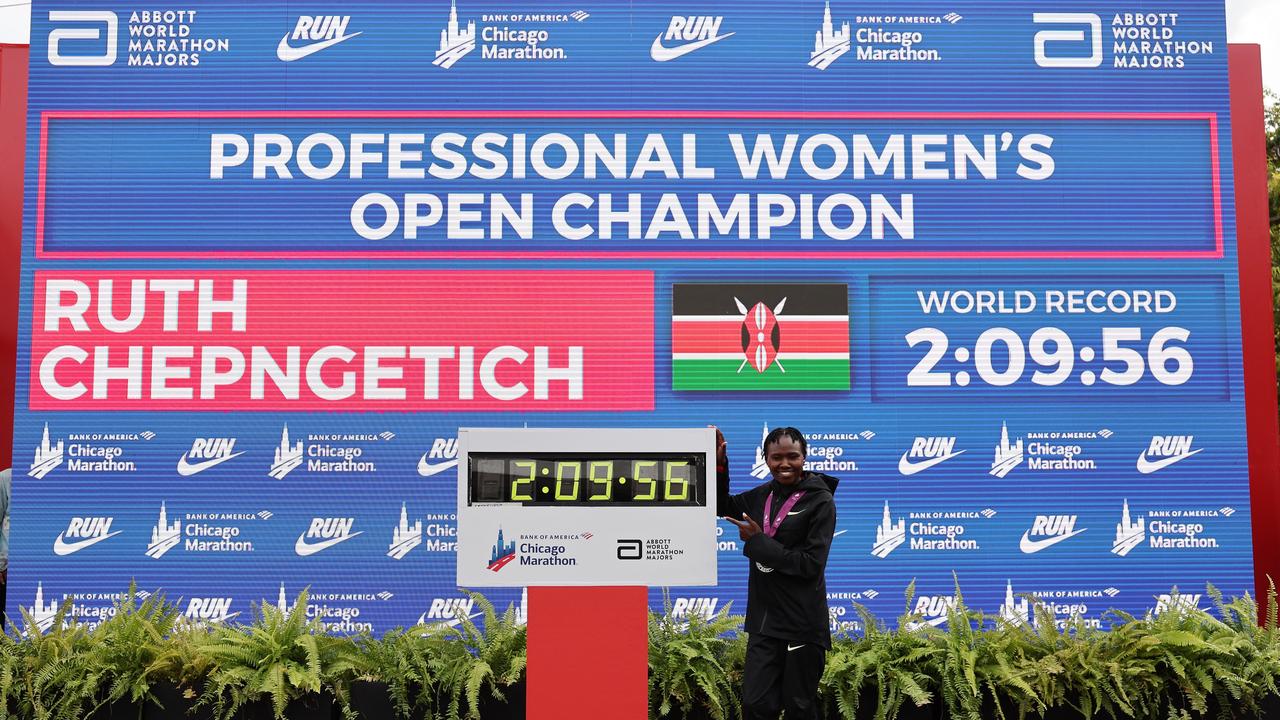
(926, 452)
(455, 41)
(760, 337)
(1008, 455)
(164, 536)
(1165, 450)
(404, 537)
(47, 457)
(889, 535)
(503, 553)
(1129, 534)
(287, 457)
(579, 15)
(828, 43)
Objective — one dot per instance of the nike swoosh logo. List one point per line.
(422, 620)
(906, 467)
(662, 53)
(1027, 545)
(838, 533)
(1146, 467)
(185, 468)
(289, 53)
(304, 548)
(797, 647)
(427, 469)
(66, 548)
(794, 512)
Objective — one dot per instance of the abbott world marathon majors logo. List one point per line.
(205, 532)
(440, 534)
(505, 36)
(892, 38)
(1169, 529)
(1066, 605)
(929, 531)
(1047, 451)
(338, 612)
(1154, 39)
(327, 453)
(86, 452)
(161, 38)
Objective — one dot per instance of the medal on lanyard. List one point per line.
(770, 523)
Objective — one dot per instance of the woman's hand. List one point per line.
(747, 527)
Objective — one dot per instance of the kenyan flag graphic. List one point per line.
(759, 337)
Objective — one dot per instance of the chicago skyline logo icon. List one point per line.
(760, 336)
(503, 553)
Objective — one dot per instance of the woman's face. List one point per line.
(785, 460)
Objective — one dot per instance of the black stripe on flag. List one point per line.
(717, 298)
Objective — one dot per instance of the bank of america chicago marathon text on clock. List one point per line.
(690, 209)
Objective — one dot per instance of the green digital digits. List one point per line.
(650, 482)
(577, 473)
(605, 492)
(668, 492)
(527, 481)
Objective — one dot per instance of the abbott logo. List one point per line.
(1074, 35)
(58, 35)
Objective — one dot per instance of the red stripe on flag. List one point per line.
(723, 337)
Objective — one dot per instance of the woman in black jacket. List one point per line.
(786, 526)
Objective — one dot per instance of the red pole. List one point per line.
(1256, 319)
(13, 123)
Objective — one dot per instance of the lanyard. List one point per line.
(770, 522)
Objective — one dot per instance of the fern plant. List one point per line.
(411, 663)
(125, 645)
(280, 657)
(695, 662)
(48, 676)
(888, 667)
(494, 660)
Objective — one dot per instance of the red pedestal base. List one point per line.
(588, 653)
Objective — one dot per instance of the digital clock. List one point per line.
(641, 479)
(586, 506)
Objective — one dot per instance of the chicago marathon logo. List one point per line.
(1179, 529)
(1047, 451)
(502, 553)
(86, 452)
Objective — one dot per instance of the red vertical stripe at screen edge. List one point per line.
(1256, 319)
(1210, 118)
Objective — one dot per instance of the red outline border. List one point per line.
(1211, 118)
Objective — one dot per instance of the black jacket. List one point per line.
(787, 587)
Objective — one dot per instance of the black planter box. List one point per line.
(314, 706)
(174, 705)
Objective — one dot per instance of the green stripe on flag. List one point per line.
(724, 375)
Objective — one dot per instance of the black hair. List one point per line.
(777, 434)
